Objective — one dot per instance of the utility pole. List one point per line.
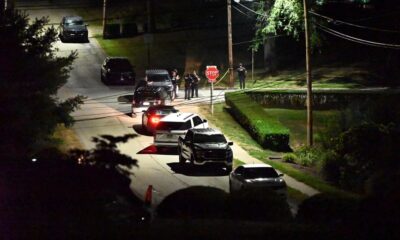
(230, 50)
(150, 17)
(104, 18)
(2, 8)
(309, 78)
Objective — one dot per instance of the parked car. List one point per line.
(258, 176)
(174, 125)
(160, 78)
(205, 146)
(146, 96)
(152, 116)
(73, 28)
(117, 70)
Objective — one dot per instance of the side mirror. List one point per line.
(86, 25)
(204, 120)
(281, 175)
(143, 111)
(230, 143)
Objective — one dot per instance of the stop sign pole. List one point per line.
(212, 74)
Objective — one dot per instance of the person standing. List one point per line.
(175, 82)
(188, 86)
(195, 84)
(242, 75)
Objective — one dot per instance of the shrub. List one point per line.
(256, 205)
(308, 156)
(326, 208)
(268, 132)
(360, 152)
(290, 158)
(194, 202)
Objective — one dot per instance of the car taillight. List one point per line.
(154, 120)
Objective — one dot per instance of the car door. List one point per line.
(146, 117)
(61, 27)
(186, 144)
(104, 67)
(237, 178)
(199, 123)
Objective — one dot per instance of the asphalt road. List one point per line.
(105, 112)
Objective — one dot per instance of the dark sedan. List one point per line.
(73, 28)
(117, 70)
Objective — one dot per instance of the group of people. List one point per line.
(192, 81)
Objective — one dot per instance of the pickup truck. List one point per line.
(205, 146)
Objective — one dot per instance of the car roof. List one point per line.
(205, 131)
(178, 117)
(156, 107)
(73, 18)
(156, 71)
(256, 165)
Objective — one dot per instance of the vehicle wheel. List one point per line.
(230, 186)
(182, 160)
(192, 160)
(101, 76)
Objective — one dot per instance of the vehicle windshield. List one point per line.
(207, 138)
(165, 111)
(265, 172)
(172, 126)
(158, 78)
(74, 22)
(119, 64)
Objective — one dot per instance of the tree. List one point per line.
(283, 17)
(31, 74)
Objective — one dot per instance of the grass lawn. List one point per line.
(66, 139)
(296, 121)
(223, 120)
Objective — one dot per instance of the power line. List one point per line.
(335, 21)
(357, 40)
(243, 13)
(251, 10)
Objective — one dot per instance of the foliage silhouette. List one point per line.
(31, 74)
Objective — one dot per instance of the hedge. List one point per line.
(268, 132)
(322, 99)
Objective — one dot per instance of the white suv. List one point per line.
(172, 126)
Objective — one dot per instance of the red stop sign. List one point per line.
(212, 73)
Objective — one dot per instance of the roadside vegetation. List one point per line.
(234, 131)
(345, 153)
(65, 139)
(31, 74)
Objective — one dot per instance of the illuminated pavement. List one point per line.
(106, 112)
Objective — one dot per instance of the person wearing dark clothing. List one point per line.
(195, 84)
(188, 86)
(175, 82)
(242, 76)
